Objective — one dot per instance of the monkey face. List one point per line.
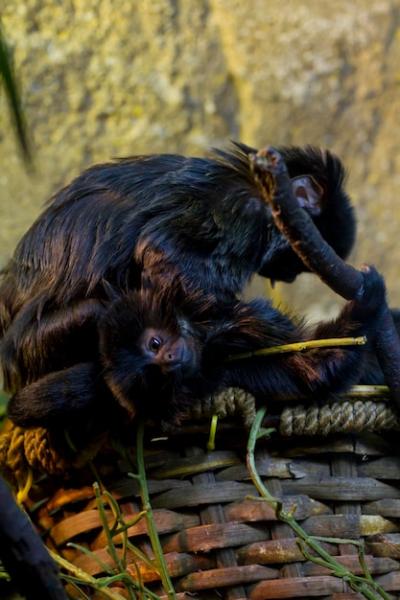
(170, 353)
(144, 372)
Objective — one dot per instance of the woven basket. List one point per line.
(217, 542)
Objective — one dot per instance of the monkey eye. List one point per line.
(155, 344)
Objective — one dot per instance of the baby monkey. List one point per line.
(159, 350)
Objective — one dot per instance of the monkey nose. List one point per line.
(172, 359)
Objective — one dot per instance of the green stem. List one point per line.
(83, 577)
(213, 431)
(76, 587)
(104, 521)
(110, 542)
(151, 526)
(106, 568)
(128, 524)
(142, 556)
(360, 584)
(359, 391)
(300, 346)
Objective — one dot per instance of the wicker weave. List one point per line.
(217, 542)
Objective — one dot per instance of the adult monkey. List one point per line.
(116, 226)
(272, 176)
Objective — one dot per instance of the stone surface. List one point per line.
(104, 78)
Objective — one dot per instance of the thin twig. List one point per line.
(119, 563)
(104, 521)
(359, 391)
(83, 577)
(361, 585)
(151, 527)
(300, 347)
(104, 566)
(212, 434)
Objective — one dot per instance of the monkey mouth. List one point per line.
(173, 369)
(173, 366)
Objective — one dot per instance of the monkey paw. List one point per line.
(270, 174)
(267, 161)
(372, 297)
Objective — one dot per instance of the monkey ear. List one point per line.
(309, 193)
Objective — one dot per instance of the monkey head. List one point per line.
(317, 181)
(148, 351)
(170, 351)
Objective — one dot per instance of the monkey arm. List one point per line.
(272, 177)
(297, 375)
(372, 372)
(59, 398)
(39, 341)
(271, 174)
(323, 371)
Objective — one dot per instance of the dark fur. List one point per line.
(124, 224)
(123, 373)
(372, 372)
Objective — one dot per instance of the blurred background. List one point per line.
(111, 78)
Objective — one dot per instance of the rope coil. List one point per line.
(24, 450)
(229, 402)
(339, 417)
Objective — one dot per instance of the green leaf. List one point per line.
(265, 432)
(7, 75)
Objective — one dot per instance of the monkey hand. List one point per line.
(269, 171)
(371, 299)
(284, 194)
(267, 161)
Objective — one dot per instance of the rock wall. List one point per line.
(103, 78)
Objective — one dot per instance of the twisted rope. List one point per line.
(40, 453)
(12, 456)
(226, 403)
(339, 417)
(24, 450)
